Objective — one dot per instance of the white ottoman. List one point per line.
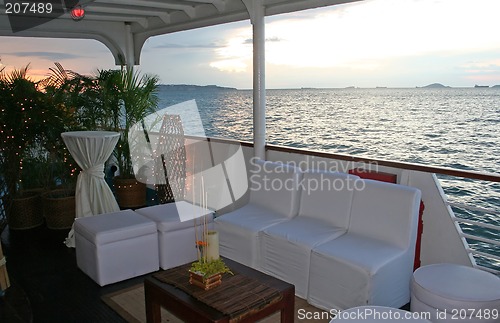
(176, 231)
(116, 246)
(455, 293)
(377, 314)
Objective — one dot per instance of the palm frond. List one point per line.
(58, 76)
(16, 74)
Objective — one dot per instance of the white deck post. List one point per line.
(129, 44)
(257, 12)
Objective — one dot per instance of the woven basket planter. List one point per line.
(59, 208)
(24, 212)
(129, 192)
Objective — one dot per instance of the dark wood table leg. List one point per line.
(288, 310)
(153, 312)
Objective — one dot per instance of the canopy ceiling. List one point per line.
(124, 25)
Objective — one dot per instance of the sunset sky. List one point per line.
(393, 43)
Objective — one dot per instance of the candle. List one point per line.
(213, 245)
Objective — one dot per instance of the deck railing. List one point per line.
(475, 239)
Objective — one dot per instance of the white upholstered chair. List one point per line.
(325, 205)
(372, 263)
(274, 198)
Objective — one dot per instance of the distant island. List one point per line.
(193, 87)
(434, 86)
(440, 86)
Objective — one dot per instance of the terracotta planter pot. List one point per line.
(129, 192)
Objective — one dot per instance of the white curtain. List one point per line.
(91, 149)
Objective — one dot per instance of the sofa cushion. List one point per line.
(250, 217)
(175, 216)
(306, 231)
(354, 270)
(360, 251)
(239, 232)
(386, 212)
(327, 196)
(106, 228)
(286, 248)
(325, 205)
(275, 186)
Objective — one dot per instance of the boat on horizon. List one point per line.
(481, 86)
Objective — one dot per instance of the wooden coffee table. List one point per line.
(186, 307)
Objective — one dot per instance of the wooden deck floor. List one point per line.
(48, 287)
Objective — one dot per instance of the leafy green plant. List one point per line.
(25, 115)
(137, 98)
(210, 268)
(112, 100)
(32, 117)
(80, 95)
(64, 89)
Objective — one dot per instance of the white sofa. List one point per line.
(348, 246)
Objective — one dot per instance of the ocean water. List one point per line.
(449, 127)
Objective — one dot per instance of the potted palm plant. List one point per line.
(69, 93)
(128, 97)
(25, 114)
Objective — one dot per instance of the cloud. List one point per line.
(487, 64)
(52, 56)
(274, 39)
(302, 15)
(230, 65)
(486, 70)
(249, 41)
(187, 46)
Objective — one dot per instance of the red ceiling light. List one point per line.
(77, 13)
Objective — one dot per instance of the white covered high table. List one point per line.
(91, 149)
(377, 314)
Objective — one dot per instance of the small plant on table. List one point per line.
(207, 271)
